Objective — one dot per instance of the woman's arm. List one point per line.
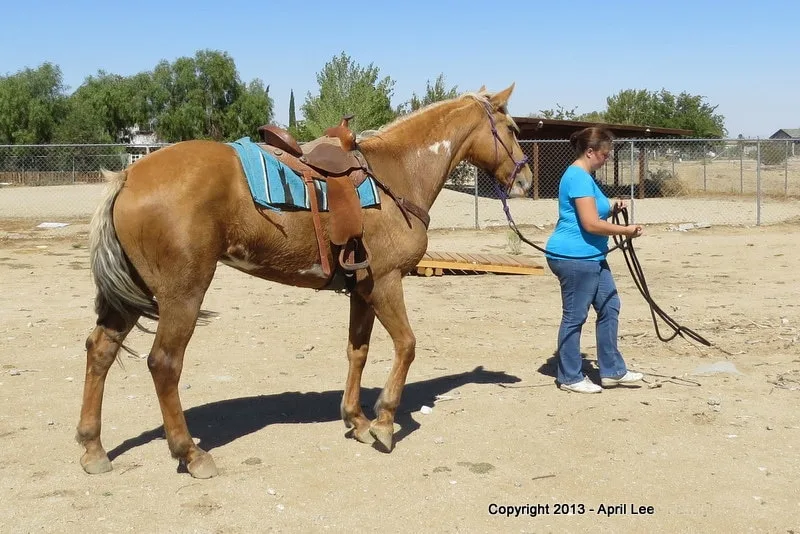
(590, 220)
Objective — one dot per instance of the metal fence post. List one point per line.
(758, 182)
(741, 169)
(633, 216)
(705, 157)
(786, 171)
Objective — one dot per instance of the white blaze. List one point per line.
(444, 146)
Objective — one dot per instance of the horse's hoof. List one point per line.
(202, 467)
(94, 465)
(384, 436)
(364, 435)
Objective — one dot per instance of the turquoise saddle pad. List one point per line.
(276, 186)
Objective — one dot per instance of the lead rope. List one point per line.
(625, 244)
(635, 268)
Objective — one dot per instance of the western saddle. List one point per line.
(334, 159)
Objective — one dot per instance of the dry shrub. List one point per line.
(513, 243)
(662, 183)
(773, 153)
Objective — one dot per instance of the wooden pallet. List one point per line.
(439, 263)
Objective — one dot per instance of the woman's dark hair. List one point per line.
(593, 137)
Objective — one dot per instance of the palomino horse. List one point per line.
(169, 218)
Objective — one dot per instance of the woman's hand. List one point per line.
(634, 230)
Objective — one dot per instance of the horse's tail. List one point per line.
(116, 289)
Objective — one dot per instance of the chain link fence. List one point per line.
(666, 181)
(51, 181)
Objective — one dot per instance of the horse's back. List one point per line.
(184, 163)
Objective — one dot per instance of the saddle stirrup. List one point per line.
(349, 251)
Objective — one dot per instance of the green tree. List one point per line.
(178, 101)
(292, 113)
(143, 92)
(83, 123)
(32, 102)
(631, 106)
(347, 88)
(108, 108)
(202, 97)
(109, 100)
(220, 86)
(433, 93)
(559, 113)
(251, 109)
(593, 116)
(692, 113)
(193, 95)
(664, 109)
(563, 114)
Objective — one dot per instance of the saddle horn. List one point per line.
(342, 131)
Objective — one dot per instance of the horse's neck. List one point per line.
(416, 165)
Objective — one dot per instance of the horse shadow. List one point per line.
(218, 423)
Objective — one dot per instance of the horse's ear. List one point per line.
(482, 89)
(500, 100)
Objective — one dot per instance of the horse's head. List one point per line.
(496, 148)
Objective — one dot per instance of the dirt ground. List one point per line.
(481, 429)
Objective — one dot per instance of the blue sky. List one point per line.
(741, 56)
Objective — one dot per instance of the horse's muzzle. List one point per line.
(522, 183)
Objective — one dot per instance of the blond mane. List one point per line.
(480, 96)
(410, 116)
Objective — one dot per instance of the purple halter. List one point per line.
(518, 164)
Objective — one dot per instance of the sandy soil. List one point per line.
(711, 452)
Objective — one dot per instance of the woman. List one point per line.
(581, 231)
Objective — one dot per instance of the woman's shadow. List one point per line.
(219, 423)
(589, 367)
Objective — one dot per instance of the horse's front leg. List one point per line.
(362, 319)
(390, 308)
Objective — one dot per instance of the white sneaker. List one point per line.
(584, 386)
(628, 379)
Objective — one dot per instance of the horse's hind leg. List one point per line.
(102, 347)
(362, 319)
(175, 327)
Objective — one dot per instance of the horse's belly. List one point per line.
(281, 268)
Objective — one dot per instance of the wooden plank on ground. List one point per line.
(439, 263)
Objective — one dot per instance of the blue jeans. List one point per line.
(587, 283)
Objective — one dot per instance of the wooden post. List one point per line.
(535, 171)
(641, 172)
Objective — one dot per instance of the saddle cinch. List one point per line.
(335, 160)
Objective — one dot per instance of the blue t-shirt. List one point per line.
(569, 238)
